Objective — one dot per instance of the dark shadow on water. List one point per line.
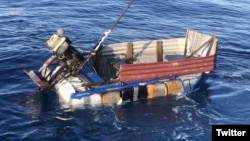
(37, 104)
(200, 96)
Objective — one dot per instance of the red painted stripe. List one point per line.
(143, 76)
(143, 66)
(132, 72)
(166, 69)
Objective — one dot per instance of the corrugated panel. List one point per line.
(200, 44)
(139, 47)
(145, 57)
(196, 39)
(176, 45)
(132, 72)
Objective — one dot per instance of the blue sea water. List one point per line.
(26, 25)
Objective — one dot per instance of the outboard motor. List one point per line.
(65, 52)
(66, 61)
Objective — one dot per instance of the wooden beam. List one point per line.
(186, 42)
(198, 49)
(159, 51)
(129, 57)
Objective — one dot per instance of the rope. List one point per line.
(105, 35)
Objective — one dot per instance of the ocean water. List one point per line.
(26, 25)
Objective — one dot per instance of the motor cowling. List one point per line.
(65, 52)
(59, 43)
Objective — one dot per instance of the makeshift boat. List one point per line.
(111, 74)
(126, 71)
